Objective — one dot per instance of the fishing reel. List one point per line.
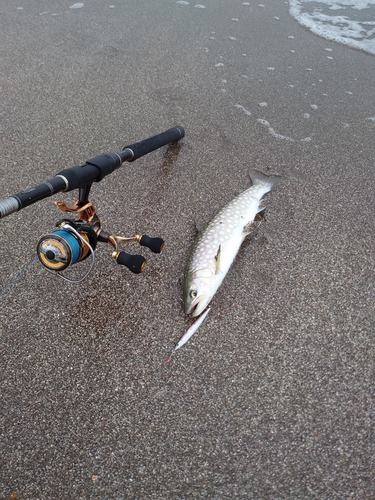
(72, 242)
(75, 240)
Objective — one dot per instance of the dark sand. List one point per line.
(274, 397)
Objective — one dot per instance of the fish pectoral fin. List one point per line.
(217, 259)
(260, 209)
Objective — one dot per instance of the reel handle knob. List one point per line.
(156, 245)
(135, 263)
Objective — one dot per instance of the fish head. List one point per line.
(199, 288)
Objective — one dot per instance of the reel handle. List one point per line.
(156, 245)
(135, 263)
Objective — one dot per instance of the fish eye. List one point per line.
(193, 294)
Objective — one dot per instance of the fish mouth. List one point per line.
(196, 308)
(193, 308)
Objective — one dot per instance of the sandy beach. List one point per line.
(273, 397)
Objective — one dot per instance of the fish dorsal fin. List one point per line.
(217, 259)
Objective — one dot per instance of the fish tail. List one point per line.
(258, 177)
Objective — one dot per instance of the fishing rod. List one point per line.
(75, 240)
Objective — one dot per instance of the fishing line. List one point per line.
(26, 268)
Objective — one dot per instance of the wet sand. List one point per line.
(274, 396)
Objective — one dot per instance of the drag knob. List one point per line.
(156, 245)
(135, 263)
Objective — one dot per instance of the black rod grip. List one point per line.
(30, 196)
(144, 147)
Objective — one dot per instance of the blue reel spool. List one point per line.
(61, 249)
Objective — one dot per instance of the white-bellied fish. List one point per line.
(217, 245)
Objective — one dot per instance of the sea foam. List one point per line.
(349, 22)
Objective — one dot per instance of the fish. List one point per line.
(218, 244)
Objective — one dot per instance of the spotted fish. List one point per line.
(217, 246)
